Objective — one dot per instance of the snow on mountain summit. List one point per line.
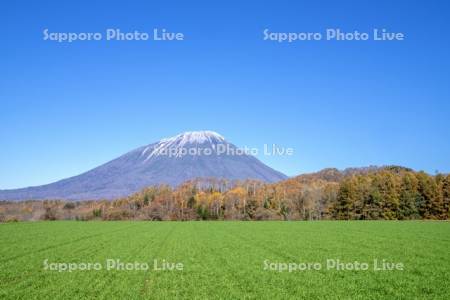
(186, 139)
(196, 137)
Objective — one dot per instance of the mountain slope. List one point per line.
(170, 161)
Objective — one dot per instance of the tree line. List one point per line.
(385, 193)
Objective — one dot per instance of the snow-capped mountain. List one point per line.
(172, 161)
(177, 145)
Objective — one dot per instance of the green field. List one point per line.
(225, 259)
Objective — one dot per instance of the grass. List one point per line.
(225, 259)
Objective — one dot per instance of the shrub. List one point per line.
(117, 215)
(49, 215)
(69, 205)
(266, 214)
(12, 220)
(97, 212)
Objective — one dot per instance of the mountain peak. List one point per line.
(196, 137)
(185, 139)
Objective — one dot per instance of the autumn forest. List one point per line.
(373, 193)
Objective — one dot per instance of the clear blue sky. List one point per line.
(66, 108)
